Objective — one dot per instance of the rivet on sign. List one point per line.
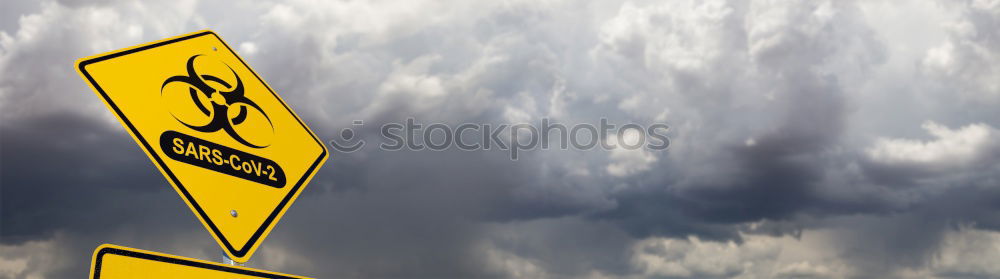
(233, 213)
(214, 49)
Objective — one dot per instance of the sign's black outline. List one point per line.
(270, 218)
(99, 258)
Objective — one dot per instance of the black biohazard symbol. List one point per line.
(221, 101)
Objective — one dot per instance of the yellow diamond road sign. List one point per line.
(233, 150)
(118, 262)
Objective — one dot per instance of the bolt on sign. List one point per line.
(229, 145)
(117, 262)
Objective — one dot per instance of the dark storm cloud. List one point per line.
(84, 157)
(762, 98)
(776, 174)
(415, 212)
(75, 183)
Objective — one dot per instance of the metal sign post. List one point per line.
(230, 261)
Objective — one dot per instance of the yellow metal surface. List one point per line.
(233, 150)
(118, 262)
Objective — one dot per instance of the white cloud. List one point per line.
(625, 158)
(512, 265)
(10, 268)
(968, 252)
(805, 269)
(965, 253)
(248, 48)
(37, 74)
(759, 256)
(949, 146)
(967, 59)
(32, 259)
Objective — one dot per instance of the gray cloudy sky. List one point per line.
(810, 139)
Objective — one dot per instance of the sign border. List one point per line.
(237, 254)
(105, 249)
